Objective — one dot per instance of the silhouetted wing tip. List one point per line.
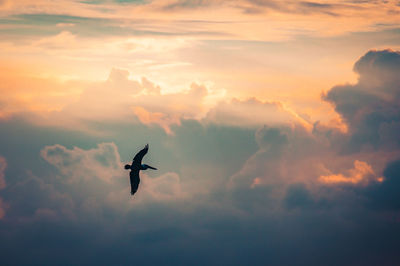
(139, 156)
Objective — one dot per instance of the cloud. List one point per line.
(3, 165)
(152, 107)
(3, 207)
(296, 7)
(117, 99)
(165, 215)
(63, 39)
(282, 151)
(379, 68)
(165, 187)
(362, 173)
(71, 104)
(255, 7)
(168, 108)
(157, 118)
(297, 195)
(46, 202)
(158, 221)
(113, 18)
(190, 4)
(100, 170)
(293, 154)
(251, 191)
(254, 113)
(24, 89)
(371, 106)
(385, 195)
(76, 165)
(104, 100)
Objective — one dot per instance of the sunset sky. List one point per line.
(274, 126)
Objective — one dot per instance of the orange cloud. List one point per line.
(66, 103)
(24, 90)
(362, 173)
(253, 112)
(161, 119)
(250, 19)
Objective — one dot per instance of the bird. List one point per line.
(136, 167)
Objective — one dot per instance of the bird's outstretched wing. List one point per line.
(135, 180)
(139, 156)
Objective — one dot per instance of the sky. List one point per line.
(273, 125)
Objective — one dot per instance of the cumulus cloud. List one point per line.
(371, 107)
(168, 109)
(76, 164)
(109, 100)
(122, 99)
(164, 188)
(156, 118)
(46, 202)
(87, 168)
(259, 190)
(253, 112)
(119, 98)
(286, 155)
(323, 157)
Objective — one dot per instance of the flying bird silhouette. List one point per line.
(136, 167)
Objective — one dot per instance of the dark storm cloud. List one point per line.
(386, 195)
(297, 195)
(371, 108)
(381, 67)
(52, 218)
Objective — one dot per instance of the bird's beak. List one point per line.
(151, 167)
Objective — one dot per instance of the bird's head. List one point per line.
(127, 166)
